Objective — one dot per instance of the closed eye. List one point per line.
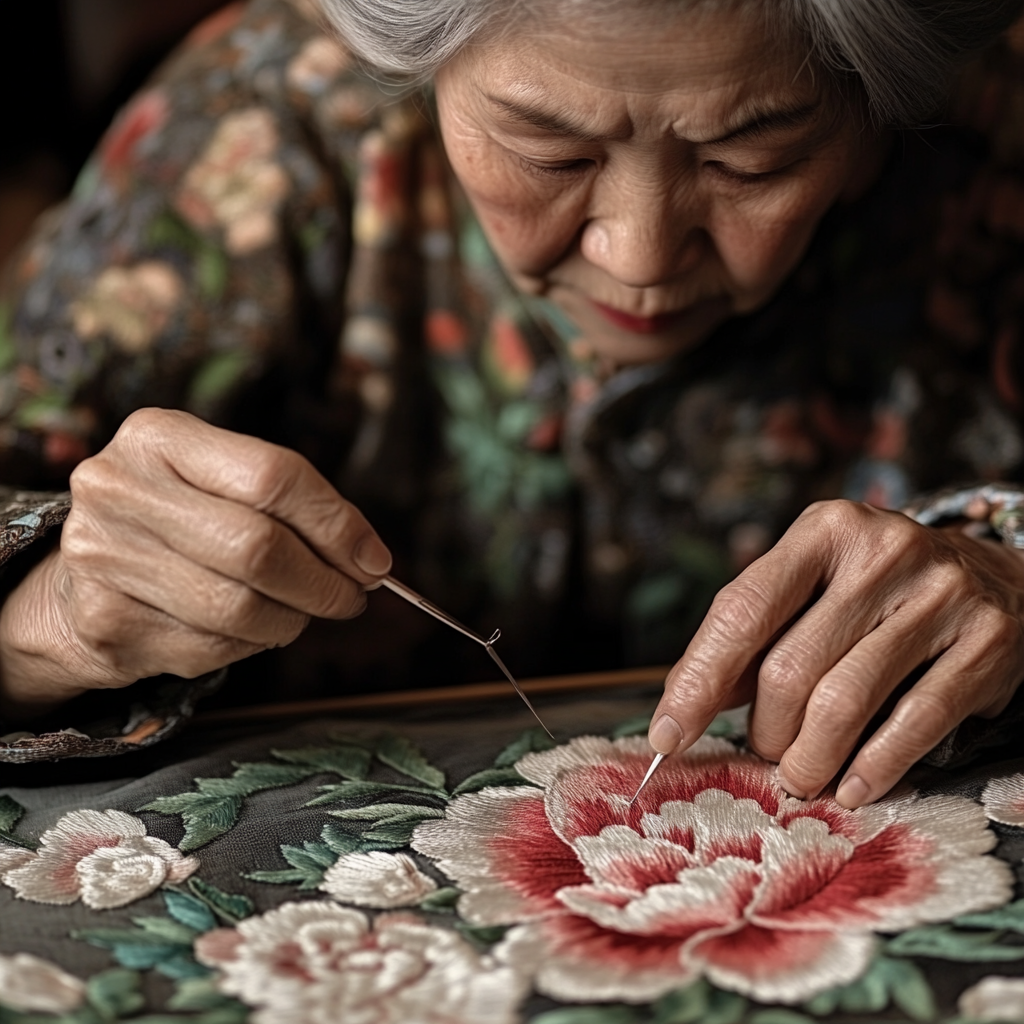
(564, 169)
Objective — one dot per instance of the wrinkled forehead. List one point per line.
(707, 56)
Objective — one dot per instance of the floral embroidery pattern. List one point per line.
(104, 858)
(714, 873)
(377, 879)
(317, 961)
(30, 984)
(994, 998)
(1003, 800)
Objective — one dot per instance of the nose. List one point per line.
(642, 235)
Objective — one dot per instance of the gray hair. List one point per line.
(903, 52)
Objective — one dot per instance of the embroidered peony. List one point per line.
(380, 880)
(31, 985)
(714, 872)
(103, 858)
(1003, 800)
(319, 963)
(994, 998)
(130, 304)
(237, 183)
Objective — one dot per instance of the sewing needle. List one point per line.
(430, 608)
(658, 758)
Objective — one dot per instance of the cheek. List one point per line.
(529, 223)
(761, 240)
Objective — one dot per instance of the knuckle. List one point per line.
(741, 609)
(272, 473)
(784, 676)
(234, 608)
(253, 551)
(839, 704)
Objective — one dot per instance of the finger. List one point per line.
(742, 620)
(846, 698)
(269, 478)
(233, 540)
(123, 640)
(960, 683)
(142, 568)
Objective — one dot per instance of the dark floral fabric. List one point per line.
(270, 239)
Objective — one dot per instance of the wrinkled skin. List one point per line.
(653, 175)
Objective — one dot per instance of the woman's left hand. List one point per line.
(825, 626)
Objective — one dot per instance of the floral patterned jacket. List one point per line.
(269, 239)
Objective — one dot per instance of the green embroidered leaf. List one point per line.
(347, 761)
(375, 790)
(253, 777)
(378, 812)
(205, 817)
(11, 812)
(490, 777)
(337, 839)
(531, 740)
(189, 911)
(216, 377)
(8, 346)
(199, 994)
(589, 1015)
(229, 907)
(636, 726)
(484, 935)
(945, 943)
(399, 753)
(1010, 918)
(778, 1016)
(397, 830)
(211, 272)
(441, 899)
(286, 876)
(167, 930)
(315, 855)
(181, 967)
(724, 1008)
(684, 1005)
(887, 981)
(115, 993)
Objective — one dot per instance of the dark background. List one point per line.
(65, 68)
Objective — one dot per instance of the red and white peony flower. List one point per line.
(103, 858)
(319, 963)
(714, 872)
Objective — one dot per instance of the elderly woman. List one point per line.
(630, 299)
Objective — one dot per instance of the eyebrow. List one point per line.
(543, 119)
(767, 123)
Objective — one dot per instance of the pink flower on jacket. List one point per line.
(714, 872)
(103, 858)
(1003, 800)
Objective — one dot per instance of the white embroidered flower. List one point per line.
(1003, 800)
(713, 872)
(994, 998)
(377, 879)
(320, 963)
(31, 985)
(103, 858)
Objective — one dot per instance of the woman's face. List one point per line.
(653, 175)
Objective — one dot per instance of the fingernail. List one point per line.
(372, 557)
(665, 735)
(853, 791)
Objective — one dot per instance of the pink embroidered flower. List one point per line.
(237, 183)
(377, 879)
(31, 985)
(1003, 800)
(714, 872)
(103, 858)
(319, 963)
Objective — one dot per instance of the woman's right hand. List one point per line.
(187, 547)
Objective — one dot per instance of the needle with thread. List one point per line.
(658, 758)
(430, 608)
